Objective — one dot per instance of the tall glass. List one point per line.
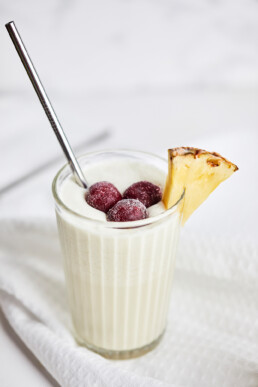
(118, 274)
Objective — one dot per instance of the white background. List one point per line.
(155, 74)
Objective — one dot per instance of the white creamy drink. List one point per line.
(118, 274)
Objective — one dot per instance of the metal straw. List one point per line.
(45, 102)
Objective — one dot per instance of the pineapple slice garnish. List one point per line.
(196, 171)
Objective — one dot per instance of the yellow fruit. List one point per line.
(196, 171)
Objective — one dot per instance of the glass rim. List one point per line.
(114, 225)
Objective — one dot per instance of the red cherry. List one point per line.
(144, 191)
(102, 196)
(127, 210)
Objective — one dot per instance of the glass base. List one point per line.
(122, 355)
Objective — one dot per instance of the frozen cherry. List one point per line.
(127, 210)
(102, 196)
(144, 191)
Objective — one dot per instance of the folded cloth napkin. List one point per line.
(212, 333)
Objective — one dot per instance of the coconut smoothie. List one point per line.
(118, 273)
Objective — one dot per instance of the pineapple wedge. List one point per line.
(198, 172)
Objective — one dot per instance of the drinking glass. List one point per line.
(118, 274)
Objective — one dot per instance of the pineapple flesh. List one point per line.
(196, 171)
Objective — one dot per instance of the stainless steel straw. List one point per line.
(46, 104)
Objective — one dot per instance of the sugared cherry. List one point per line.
(102, 196)
(127, 210)
(144, 191)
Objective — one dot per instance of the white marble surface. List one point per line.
(90, 46)
(158, 74)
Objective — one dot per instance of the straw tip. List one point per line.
(9, 23)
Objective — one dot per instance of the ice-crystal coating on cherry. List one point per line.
(148, 193)
(102, 196)
(127, 210)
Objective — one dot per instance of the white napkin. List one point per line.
(212, 333)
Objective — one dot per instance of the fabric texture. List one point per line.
(212, 332)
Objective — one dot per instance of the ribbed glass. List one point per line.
(118, 275)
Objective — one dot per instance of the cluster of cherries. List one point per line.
(133, 205)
